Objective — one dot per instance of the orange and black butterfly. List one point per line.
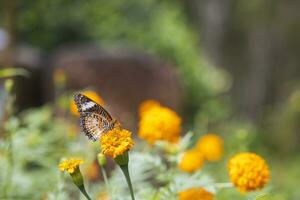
(94, 119)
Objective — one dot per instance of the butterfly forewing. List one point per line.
(85, 104)
(94, 119)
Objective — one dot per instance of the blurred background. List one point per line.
(226, 66)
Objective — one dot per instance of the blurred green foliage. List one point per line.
(31, 152)
(10, 72)
(283, 123)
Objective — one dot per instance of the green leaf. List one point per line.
(9, 72)
(262, 197)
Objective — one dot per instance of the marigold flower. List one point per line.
(116, 142)
(70, 165)
(211, 146)
(191, 161)
(146, 105)
(248, 171)
(90, 94)
(195, 194)
(159, 123)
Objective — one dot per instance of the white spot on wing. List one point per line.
(87, 105)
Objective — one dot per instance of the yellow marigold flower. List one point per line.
(159, 123)
(248, 171)
(116, 142)
(146, 105)
(70, 165)
(211, 146)
(90, 94)
(195, 194)
(191, 161)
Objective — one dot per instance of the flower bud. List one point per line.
(101, 159)
(77, 177)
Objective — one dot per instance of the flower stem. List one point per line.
(104, 177)
(106, 181)
(10, 153)
(78, 181)
(83, 191)
(223, 185)
(125, 171)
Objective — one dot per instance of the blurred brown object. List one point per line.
(30, 90)
(123, 78)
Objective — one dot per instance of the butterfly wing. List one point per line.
(85, 104)
(93, 125)
(94, 119)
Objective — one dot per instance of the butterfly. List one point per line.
(94, 119)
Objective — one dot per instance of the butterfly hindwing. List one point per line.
(94, 119)
(93, 125)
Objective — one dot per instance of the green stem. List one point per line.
(106, 181)
(125, 171)
(78, 181)
(10, 153)
(223, 185)
(83, 191)
(10, 165)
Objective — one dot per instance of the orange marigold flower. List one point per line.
(191, 161)
(90, 94)
(211, 146)
(116, 142)
(248, 171)
(146, 105)
(195, 194)
(70, 165)
(159, 123)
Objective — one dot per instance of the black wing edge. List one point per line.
(81, 99)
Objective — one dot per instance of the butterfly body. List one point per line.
(94, 119)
